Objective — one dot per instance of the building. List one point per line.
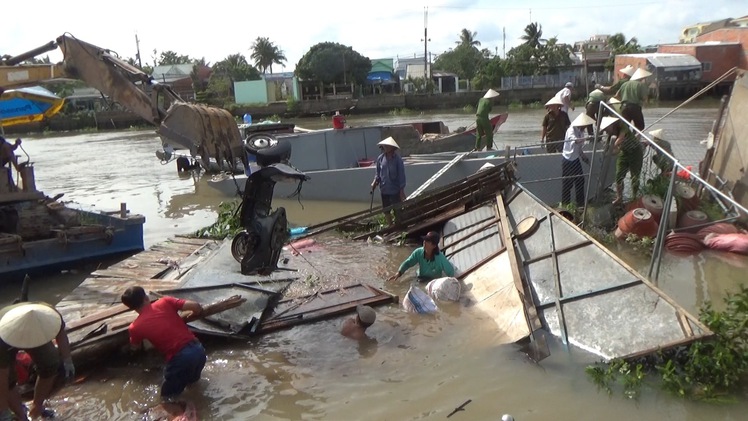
(674, 76)
(274, 87)
(716, 57)
(178, 76)
(594, 43)
(690, 33)
(382, 77)
(732, 34)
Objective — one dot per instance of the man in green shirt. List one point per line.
(632, 95)
(613, 89)
(482, 122)
(431, 262)
(555, 123)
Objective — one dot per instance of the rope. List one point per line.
(694, 96)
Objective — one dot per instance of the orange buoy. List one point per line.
(639, 222)
(686, 198)
(692, 218)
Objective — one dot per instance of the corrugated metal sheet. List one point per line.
(587, 296)
(471, 237)
(674, 60)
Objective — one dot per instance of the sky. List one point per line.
(376, 29)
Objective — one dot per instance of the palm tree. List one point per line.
(265, 54)
(467, 38)
(533, 35)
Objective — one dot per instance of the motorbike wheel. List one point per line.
(242, 244)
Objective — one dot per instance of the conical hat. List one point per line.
(597, 95)
(628, 70)
(582, 120)
(554, 101)
(389, 142)
(614, 100)
(486, 166)
(366, 314)
(607, 121)
(30, 326)
(640, 74)
(490, 94)
(658, 134)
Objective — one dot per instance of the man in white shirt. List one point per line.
(565, 96)
(571, 167)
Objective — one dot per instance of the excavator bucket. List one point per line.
(207, 132)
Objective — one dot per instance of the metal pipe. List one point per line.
(12, 61)
(589, 178)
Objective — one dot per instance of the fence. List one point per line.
(576, 77)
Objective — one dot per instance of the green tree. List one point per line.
(522, 61)
(489, 76)
(533, 36)
(467, 38)
(554, 56)
(330, 62)
(618, 45)
(170, 57)
(233, 68)
(265, 53)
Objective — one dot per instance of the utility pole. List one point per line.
(425, 44)
(504, 48)
(137, 48)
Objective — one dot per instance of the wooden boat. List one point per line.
(528, 280)
(39, 234)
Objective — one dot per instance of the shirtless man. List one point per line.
(355, 327)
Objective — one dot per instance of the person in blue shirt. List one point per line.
(390, 176)
(431, 262)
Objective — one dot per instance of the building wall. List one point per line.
(251, 92)
(715, 59)
(736, 34)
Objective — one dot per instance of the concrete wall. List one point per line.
(251, 92)
(739, 35)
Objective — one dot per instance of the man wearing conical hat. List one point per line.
(633, 94)
(482, 122)
(555, 123)
(592, 106)
(390, 176)
(573, 156)
(662, 162)
(630, 155)
(626, 73)
(31, 327)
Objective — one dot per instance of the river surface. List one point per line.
(413, 367)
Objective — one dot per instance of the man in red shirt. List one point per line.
(159, 322)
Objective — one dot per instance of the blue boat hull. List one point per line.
(68, 249)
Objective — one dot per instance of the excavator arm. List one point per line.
(208, 132)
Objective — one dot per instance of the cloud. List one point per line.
(386, 28)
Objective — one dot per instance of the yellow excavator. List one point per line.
(205, 131)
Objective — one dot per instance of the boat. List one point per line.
(39, 234)
(534, 164)
(523, 264)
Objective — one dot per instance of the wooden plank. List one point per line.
(519, 281)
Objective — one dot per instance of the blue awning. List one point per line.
(379, 77)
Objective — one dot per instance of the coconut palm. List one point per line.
(533, 35)
(265, 53)
(467, 38)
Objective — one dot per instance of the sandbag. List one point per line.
(417, 301)
(735, 243)
(445, 289)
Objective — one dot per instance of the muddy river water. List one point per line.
(413, 367)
